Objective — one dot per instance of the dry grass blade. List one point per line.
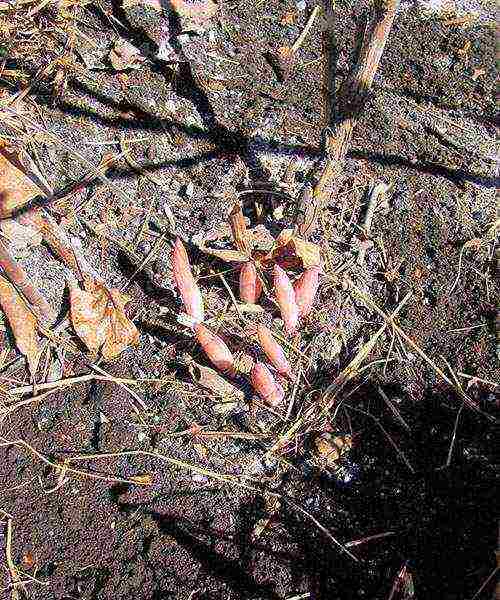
(458, 389)
(57, 240)
(239, 229)
(225, 478)
(22, 322)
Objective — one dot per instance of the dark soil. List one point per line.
(225, 119)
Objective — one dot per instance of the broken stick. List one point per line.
(351, 101)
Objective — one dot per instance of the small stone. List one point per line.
(301, 5)
(189, 191)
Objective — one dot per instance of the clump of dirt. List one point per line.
(189, 133)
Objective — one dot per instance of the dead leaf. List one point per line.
(239, 229)
(99, 319)
(201, 450)
(226, 255)
(22, 322)
(478, 73)
(144, 479)
(293, 251)
(212, 381)
(217, 385)
(57, 240)
(124, 56)
(17, 189)
(18, 277)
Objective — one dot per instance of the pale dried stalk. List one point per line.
(352, 96)
(19, 279)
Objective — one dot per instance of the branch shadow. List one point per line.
(232, 572)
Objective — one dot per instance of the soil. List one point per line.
(222, 119)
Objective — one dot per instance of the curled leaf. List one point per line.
(215, 349)
(295, 252)
(250, 283)
(274, 352)
(184, 280)
(22, 322)
(285, 296)
(209, 379)
(99, 319)
(265, 385)
(14, 272)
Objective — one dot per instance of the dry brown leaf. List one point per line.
(22, 322)
(285, 52)
(293, 251)
(194, 14)
(289, 18)
(217, 385)
(145, 479)
(225, 255)
(16, 188)
(57, 239)
(99, 319)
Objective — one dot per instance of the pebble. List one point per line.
(189, 191)
(301, 5)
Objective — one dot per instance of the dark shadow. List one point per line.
(436, 102)
(457, 176)
(217, 565)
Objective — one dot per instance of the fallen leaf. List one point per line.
(56, 238)
(201, 450)
(210, 380)
(478, 73)
(294, 252)
(194, 14)
(145, 479)
(225, 255)
(22, 322)
(17, 189)
(18, 277)
(98, 317)
(124, 56)
(284, 52)
(465, 48)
